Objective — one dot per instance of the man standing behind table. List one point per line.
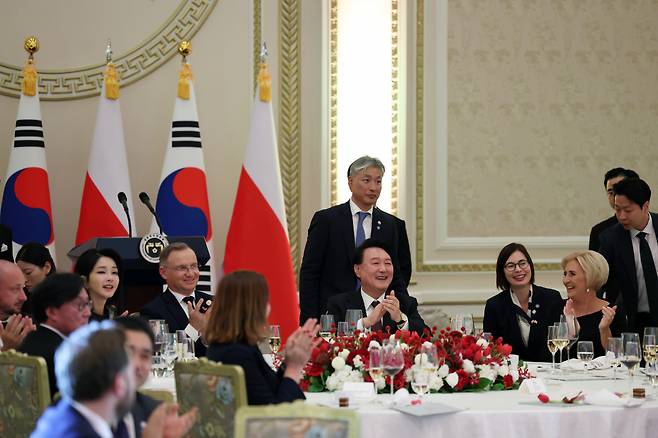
(631, 250)
(612, 177)
(335, 232)
(181, 305)
(13, 326)
(395, 310)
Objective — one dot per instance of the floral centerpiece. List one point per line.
(468, 363)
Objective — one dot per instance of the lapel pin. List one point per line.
(537, 306)
(534, 311)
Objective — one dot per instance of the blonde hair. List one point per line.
(594, 265)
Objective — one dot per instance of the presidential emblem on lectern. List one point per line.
(151, 246)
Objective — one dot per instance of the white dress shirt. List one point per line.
(189, 330)
(367, 222)
(642, 298)
(97, 422)
(524, 325)
(367, 303)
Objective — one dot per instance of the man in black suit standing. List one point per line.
(335, 232)
(6, 248)
(631, 249)
(181, 305)
(612, 177)
(383, 308)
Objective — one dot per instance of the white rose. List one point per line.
(435, 382)
(487, 372)
(452, 379)
(380, 383)
(405, 347)
(357, 361)
(333, 383)
(515, 374)
(444, 370)
(420, 359)
(503, 370)
(427, 344)
(482, 342)
(338, 363)
(468, 366)
(374, 344)
(344, 353)
(392, 339)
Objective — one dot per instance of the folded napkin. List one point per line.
(599, 363)
(604, 397)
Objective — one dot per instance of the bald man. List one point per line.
(14, 326)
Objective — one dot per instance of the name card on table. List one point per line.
(533, 386)
(359, 390)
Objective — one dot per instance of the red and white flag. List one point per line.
(26, 205)
(101, 213)
(257, 238)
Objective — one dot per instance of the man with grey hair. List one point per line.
(335, 233)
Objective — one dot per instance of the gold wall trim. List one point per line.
(137, 63)
(290, 23)
(395, 64)
(257, 37)
(333, 99)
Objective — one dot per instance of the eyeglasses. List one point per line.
(185, 268)
(82, 305)
(522, 264)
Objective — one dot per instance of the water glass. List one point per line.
(158, 366)
(327, 326)
(343, 329)
(651, 370)
(585, 352)
(462, 322)
(159, 328)
(352, 317)
(614, 353)
(169, 351)
(186, 349)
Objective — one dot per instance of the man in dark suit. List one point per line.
(6, 248)
(612, 177)
(61, 305)
(14, 327)
(382, 310)
(181, 305)
(335, 232)
(631, 249)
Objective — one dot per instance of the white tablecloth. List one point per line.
(502, 414)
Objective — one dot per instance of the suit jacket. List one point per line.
(142, 410)
(63, 421)
(166, 307)
(595, 233)
(338, 305)
(327, 267)
(43, 342)
(6, 241)
(500, 319)
(621, 287)
(264, 386)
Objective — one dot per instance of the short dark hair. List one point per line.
(36, 254)
(173, 246)
(617, 172)
(136, 324)
(55, 291)
(505, 253)
(88, 361)
(368, 243)
(635, 189)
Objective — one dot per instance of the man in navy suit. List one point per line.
(181, 305)
(14, 327)
(335, 232)
(381, 310)
(631, 249)
(6, 247)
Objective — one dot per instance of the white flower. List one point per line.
(409, 373)
(435, 382)
(427, 344)
(333, 383)
(374, 344)
(338, 363)
(358, 363)
(452, 379)
(515, 374)
(487, 372)
(392, 339)
(420, 359)
(468, 366)
(503, 370)
(380, 383)
(404, 346)
(482, 342)
(444, 370)
(344, 353)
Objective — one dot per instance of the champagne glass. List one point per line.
(343, 329)
(573, 331)
(648, 348)
(352, 316)
(562, 337)
(552, 346)
(326, 326)
(614, 352)
(631, 359)
(375, 365)
(393, 362)
(585, 352)
(275, 338)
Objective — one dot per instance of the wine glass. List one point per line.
(651, 370)
(463, 323)
(552, 346)
(326, 326)
(562, 337)
(649, 348)
(429, 358)
(159, 328)
(169, 351)
(631, 359)
(614, 352)
(275, 338)
(393, 361)
(186, 348)
(573, 331)
(158, 366)
(352, 317)
(375, 365)
(342, 329)
(420, 381)
(585, 351)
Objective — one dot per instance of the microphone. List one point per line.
(123, 200)
(147, 201)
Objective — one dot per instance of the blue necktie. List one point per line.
(360, 231)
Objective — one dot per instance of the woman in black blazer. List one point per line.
(522, 312)
(237, 321)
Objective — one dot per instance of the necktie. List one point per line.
(121, 430)
(360, 231)
(649, 270)
(378, 325)
(189, 299)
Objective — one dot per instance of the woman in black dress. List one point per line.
(522, 312)
(584, 273)
(101, 271)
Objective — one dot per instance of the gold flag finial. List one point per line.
(29, 84)
(111, 76)
(264, 79)
(185, 75)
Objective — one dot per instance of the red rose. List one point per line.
(303, 385)
(508, 381)
(506, 349)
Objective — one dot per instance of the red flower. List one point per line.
(303, 385)
(543, 398)
(508, 381)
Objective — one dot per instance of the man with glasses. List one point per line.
(181, 305)
(61, 305)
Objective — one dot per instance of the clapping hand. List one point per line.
(165, 422)
(197, 318)
(608, 316)
(299, 346)
(18, 327)
(392, 306)
(375, 316)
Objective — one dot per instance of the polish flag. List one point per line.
(26, 207)
(101, 213)
(257, 238)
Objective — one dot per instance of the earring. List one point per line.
(587, 290)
